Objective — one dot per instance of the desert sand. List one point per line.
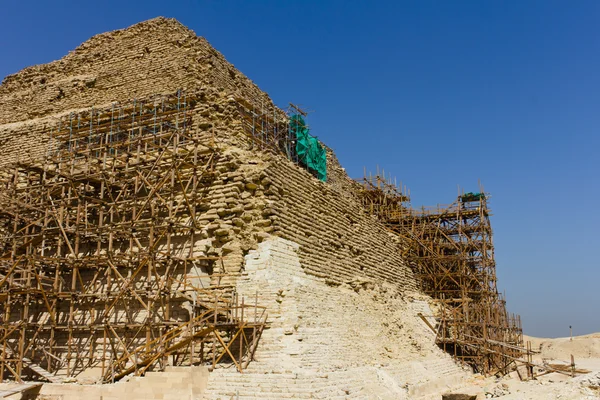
(585, 385)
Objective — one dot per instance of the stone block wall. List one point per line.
(175, 383)
(348, 342)
(155, 57)
(227, 211)
(160, 56)
(338, 241)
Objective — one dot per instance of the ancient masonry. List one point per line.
(158, 211)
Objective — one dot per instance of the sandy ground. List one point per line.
(586, 352)
(584, 386)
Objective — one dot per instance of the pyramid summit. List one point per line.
(152, 57)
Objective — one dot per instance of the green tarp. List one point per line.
(310, 151)
(472, 197)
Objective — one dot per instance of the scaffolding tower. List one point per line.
(452, 252)
(98, 265)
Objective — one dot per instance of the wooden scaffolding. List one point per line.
(99, 268)
(452, 252)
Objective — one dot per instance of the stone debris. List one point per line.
(498, 391)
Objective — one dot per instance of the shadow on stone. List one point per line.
(459, 397)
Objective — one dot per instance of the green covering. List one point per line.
(472, 197)
(310, 151)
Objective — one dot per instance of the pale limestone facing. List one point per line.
(362, 341)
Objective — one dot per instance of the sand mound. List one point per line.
(587, 346)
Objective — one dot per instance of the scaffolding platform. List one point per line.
(452, 254)
(98, 268)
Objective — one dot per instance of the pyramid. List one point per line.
(209, 197)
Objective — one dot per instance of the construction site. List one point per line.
(168, 232)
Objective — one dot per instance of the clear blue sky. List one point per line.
(439, 93)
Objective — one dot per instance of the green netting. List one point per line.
(310, 151)
(472, 196)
